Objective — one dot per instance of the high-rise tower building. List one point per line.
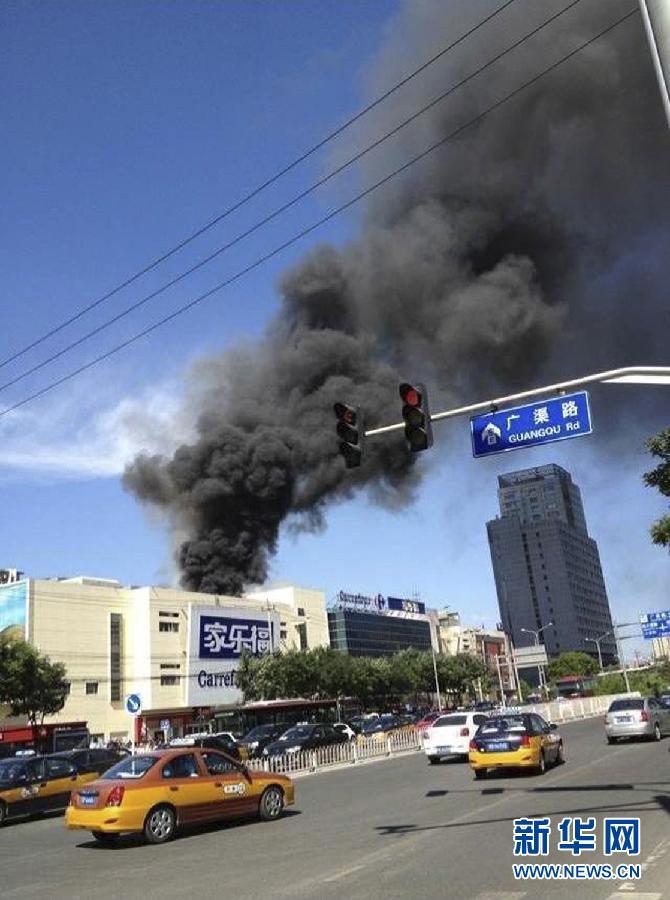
(546, 567)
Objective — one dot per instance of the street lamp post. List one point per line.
(437, 682)
(540, 668)
(597, 641)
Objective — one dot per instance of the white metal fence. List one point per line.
(379, 746)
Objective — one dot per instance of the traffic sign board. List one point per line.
(660, 617)
(133, 704)
(542, 422)
(530, 657)
(655, 624)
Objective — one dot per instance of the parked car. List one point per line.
(221, 741)
(258, 738)
(381, 727)
(37, 784)
(154, 793)
(305, 737)
(636, 717)
(424, 723)
(345, 729)
(516, 741)
(92, 759)
(450, 735)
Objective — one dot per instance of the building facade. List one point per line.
(546, 566)
(375, 634)
(177, 649)
(363, 625)
(489, 644)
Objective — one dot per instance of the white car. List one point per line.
(345, 729)
(450, 735)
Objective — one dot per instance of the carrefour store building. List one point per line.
(177, 650)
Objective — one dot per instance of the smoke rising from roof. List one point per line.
(528, 247)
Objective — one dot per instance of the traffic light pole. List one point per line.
(656, 18)
(627, 375)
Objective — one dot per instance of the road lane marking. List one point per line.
(619, 895)
(344, 872)
(501, 895)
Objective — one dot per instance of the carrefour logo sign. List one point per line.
(224, 638)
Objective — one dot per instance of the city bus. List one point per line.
(241, 719)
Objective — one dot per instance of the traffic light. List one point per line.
(350, 432)
(416, 415)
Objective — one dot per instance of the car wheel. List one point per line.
(160, 824)
(541, 767)
(480, 773)
(104, 837)
(272, 804)
(657, 732)
(560, 756)
(611, 740)
(433, 760)
(3, 812)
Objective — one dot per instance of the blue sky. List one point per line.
(127, 126)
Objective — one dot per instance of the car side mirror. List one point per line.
(553, 727)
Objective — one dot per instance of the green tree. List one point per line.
(611, 683)
(659, 446)
(30, 684)
(572, 663)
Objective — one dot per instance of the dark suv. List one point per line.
(92, 759)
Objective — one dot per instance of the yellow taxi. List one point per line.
(515, 740)
(38, 784)
(155, 793)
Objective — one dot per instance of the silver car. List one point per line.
(636, 717)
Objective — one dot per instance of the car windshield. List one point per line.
(372, 725)
(500, 726)
(260, 731)
(445, 721)
(131, 767)
(11, 770)
(628, 703)
(298, 733)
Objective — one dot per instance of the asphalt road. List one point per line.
(393, 829)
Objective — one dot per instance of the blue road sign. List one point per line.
(542, 422)
(655, 624)
(133, 704)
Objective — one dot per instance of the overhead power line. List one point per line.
(254, 192)
(285, 206)
(259, 261)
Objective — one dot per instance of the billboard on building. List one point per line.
(14, 609)
(217, 639)
(379, 603)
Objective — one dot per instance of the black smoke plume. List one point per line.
(534, 245)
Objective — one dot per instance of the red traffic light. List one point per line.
(416, 415)
(345, 413)
(350, 432)
(410, 395)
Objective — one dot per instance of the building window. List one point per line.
(168, 626)
(91, 687)
(302, 635)
(301, 611)
(169, 680)
(115, 657)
